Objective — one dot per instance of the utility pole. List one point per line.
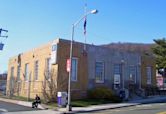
(1, 44)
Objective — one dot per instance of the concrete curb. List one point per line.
(95, 107)
(23, 103)
(91, 109)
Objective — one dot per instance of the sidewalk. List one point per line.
(115, 105)
(90, 108)
(23, 103)
(35, 112)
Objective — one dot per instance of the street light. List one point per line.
(69, 108)
(123, 78)
(94, 11)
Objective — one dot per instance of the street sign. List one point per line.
(68, 64)
(160, 81)
(116, 78)
(54, 53)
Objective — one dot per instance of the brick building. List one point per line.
(97, 66)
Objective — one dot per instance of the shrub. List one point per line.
(103, 93)
(100, 93)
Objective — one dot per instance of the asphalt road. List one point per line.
(10, 107)
(153, 108)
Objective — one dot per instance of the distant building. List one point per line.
(3, 76)
(96, 66)
(3, 81)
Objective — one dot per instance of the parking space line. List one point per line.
(162, 112)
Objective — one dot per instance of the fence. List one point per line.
(150, 91)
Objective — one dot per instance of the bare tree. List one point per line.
(12, 87)
(49, 86)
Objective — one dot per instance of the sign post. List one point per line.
(68, 64)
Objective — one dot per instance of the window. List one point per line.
(11, 86)
(18, 72)
(74, 69)
(48, 67)
(117, 69)
(132, 73)
(48, 64)
(99, 72)
(26, 72)
(149, 75)
(36, 70)
(12, 72)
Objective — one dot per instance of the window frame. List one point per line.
(12, 72)
(48, 67)
(103, 72)
(36, 70)
(26, 73)
(131, 67)
(74, 79)
(120, 69)
(149, 75)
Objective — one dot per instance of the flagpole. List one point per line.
(85, 22)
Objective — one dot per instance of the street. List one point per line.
(153, 108)
(10, 107)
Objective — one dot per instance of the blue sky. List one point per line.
(32, 23)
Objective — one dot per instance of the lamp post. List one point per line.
(69, 108)
(123, 78)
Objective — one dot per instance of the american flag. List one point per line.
(85, 26)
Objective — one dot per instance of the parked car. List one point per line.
(3, 89)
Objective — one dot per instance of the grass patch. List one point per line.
(89, 102)
(82, 103)
(20, 98)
